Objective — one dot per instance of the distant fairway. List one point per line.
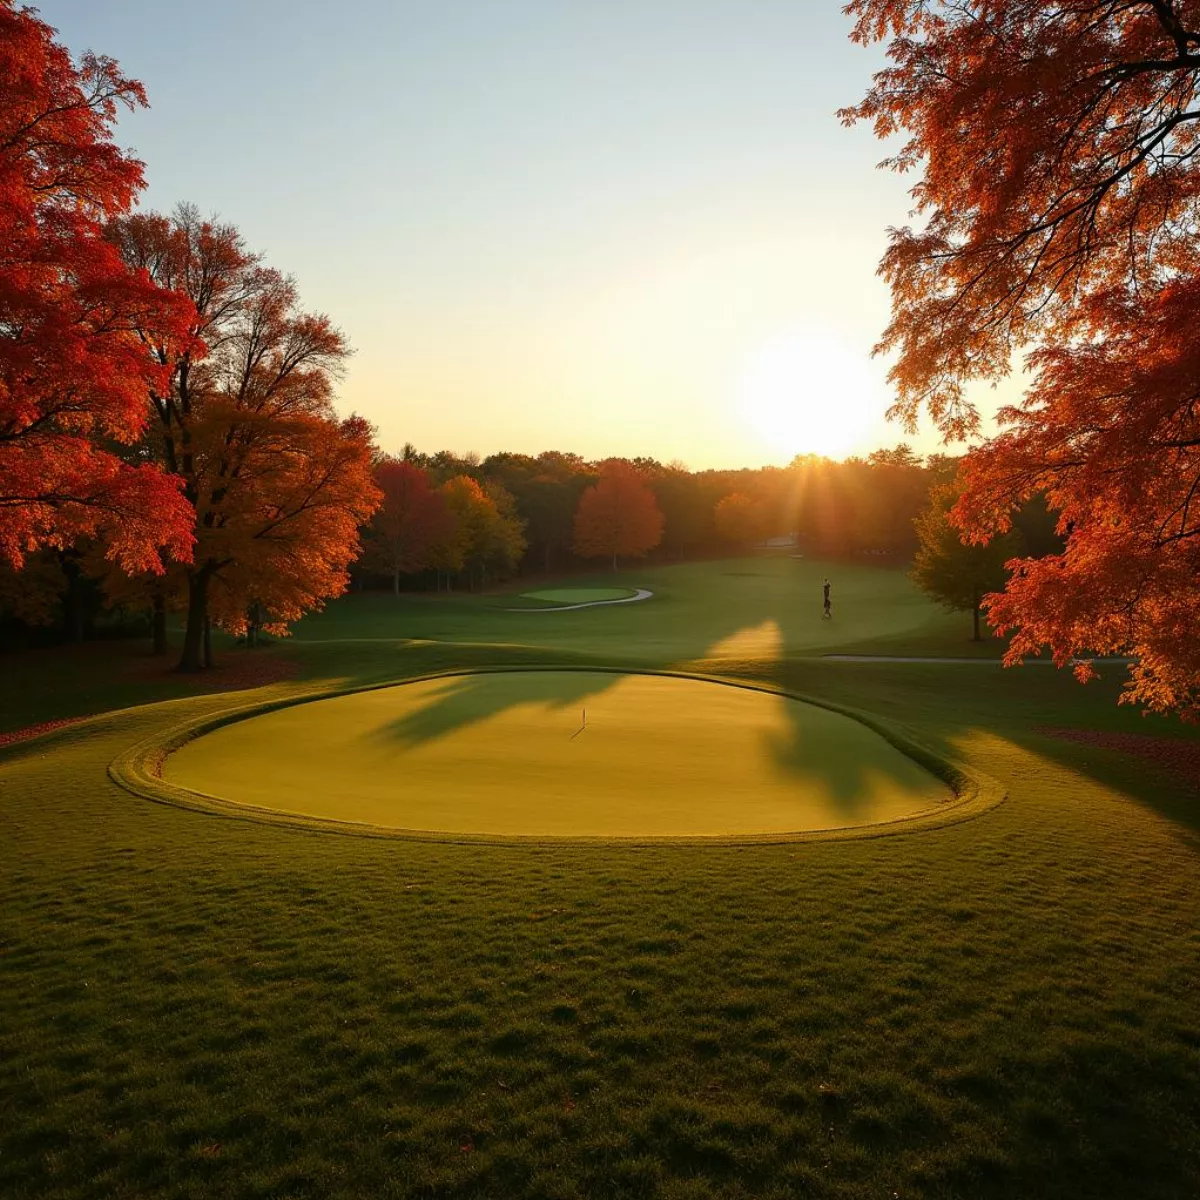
(580, 595)
(508, 753)
(746, 609)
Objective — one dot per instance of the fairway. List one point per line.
(579, 595)
(563, 754)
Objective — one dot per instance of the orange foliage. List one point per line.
(73, 372)
(279, 484)
(289, 530)
(740, 519)
(484, 531)
(618, 515)
(1061, 192)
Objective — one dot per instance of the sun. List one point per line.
(811, 394)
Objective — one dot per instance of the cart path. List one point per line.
(640, 594)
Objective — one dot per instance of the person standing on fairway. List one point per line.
(828, 605)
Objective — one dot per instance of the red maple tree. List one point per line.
(1059, 195)
(73, 371)
(618, 516)
(411, 520)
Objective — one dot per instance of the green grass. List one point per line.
(697, 607)
(563, 754)
(578, 595)
(1005, 1007)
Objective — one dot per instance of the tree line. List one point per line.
(448, 520)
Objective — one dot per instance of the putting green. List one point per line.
(562, 754)
(579, 595)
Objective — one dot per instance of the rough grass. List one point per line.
(1002, 1008)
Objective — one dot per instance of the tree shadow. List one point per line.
(749, 639)
(461, 701)
(945, 706)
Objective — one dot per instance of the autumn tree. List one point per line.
(1059, 197)
(957, 574)
(546, 490)
(740, 519)
(484, 534)
(504, 543)
(618, 515)
(823, 506)
(279, 483)
(73, 373)
(687, 502)
(894, 488)
(411, 520)
(548, 506)
(34, 594)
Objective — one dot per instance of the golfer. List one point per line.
(828, 605)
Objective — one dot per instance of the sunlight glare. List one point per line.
(811, 394)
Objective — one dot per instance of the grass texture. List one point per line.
(1004, 1007)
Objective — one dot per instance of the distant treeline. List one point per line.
(450, 521)
(841, 510)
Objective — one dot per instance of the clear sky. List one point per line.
(625, 228)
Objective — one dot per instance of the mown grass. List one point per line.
(1003, 1008)
(563, 753)
(578, 595)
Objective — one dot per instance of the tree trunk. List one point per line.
(396, 581)
(614, 560)
(254, 625)
(160, 626)
(197, 619)
(975, 615)
(72, 601)
(208, 658)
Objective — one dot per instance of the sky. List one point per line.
(631, 228)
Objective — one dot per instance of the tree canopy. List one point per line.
(1058, 200)
(740, 519)
(411, 520)
(73, 372)
(618, 516)
(244, 417)
(956, 574)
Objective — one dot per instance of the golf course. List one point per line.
(600, 602)
(701, 896)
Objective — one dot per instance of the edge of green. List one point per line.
(134, 770)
